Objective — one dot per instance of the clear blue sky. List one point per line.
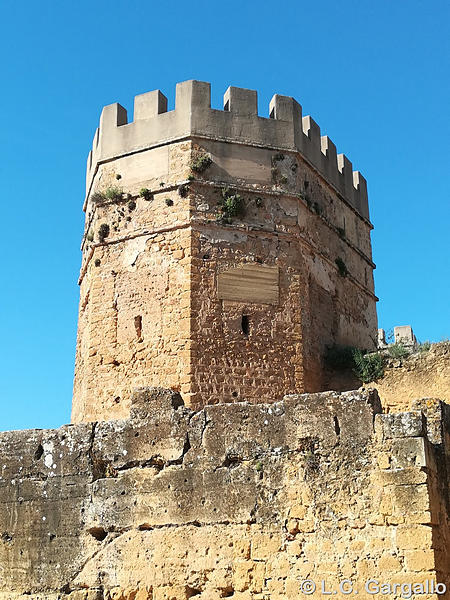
(374, 75)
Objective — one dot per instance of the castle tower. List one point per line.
(222, 253)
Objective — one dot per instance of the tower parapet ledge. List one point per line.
(285, 129)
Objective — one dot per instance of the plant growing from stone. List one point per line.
(231, 205)
(200, 163)
(366, 366)
(113, 193)
(183, 190)
(146, 194)
(317, 208)
(98, 197)
(277, 177)
(103, 232)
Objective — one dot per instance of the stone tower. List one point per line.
(222, 253)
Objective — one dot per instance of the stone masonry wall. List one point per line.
(299, 226)
(134, 315)
(239, 501)
(422, 374)
(150, 308)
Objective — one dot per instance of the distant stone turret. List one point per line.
(403, 334)
(222, 253)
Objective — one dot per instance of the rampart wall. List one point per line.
(232, 501)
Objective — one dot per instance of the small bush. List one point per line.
(424, 346)
(146, 194)
(277, 177)
(368, 367)
(113, 193)
(190, 177)
(342, 267)
(183, 190)
(168, 201)
(398, 350)
(231, 205)
(118, 176)
(98, 197)
(131, 205)
(200, 163)
(161, 184)
(103, 232)
(90, 236)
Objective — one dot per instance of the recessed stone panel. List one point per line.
(249, 283)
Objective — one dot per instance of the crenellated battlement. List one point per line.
(284, 129)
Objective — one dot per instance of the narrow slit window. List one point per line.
(245, 325)
(138, 326)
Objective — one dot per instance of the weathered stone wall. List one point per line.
(422, 374)
(298, 227)
(151, 308)
(134, 315)
(241, 501)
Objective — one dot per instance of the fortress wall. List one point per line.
(146, 271)
(134, 323)
(134, 319)
(423, 374)
(290, 176)
(230, 365)
(315, 305)
(152, 306)
(241, 501)
(286, 339)
(160, 170)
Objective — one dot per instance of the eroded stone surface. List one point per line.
(234, 500)
(221, 307)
